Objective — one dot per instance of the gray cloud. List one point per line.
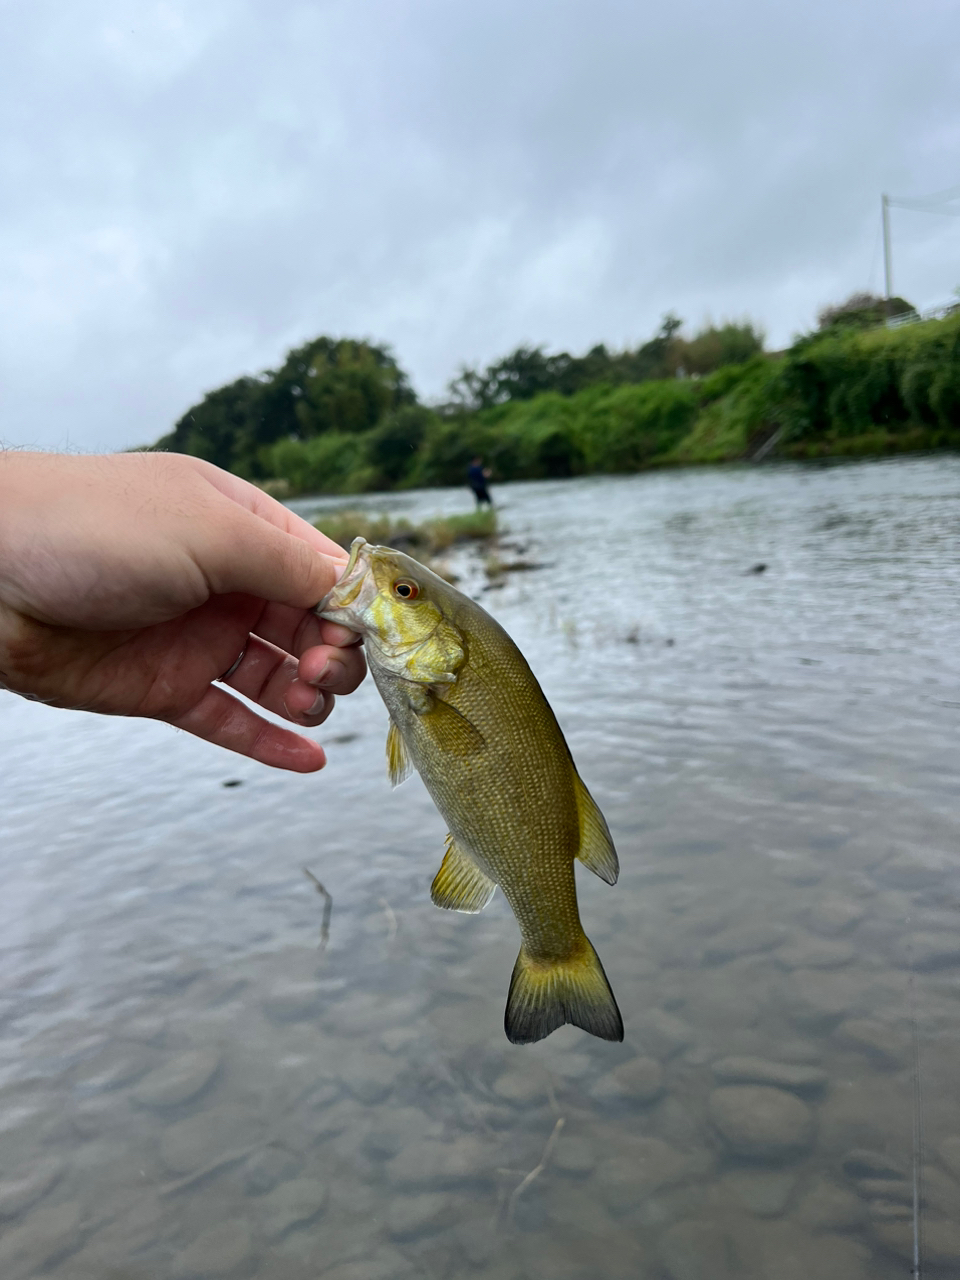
(190, 188)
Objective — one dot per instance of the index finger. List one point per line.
(267, 508)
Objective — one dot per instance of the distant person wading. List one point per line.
(477, 477)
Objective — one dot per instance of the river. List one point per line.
(190, 1086)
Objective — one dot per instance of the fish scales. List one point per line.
(469, 715)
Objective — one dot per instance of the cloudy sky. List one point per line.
(191, 187)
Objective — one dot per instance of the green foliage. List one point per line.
(863, 311)
(625, 428)
(325, 464)
(739, 407)
(328, 385)
(222, 428)
(846, 383)
(339, 416)
(529, 372)
(390, 448)
(713, 348)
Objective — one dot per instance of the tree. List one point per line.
(863, 310)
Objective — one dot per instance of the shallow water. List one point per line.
(190, 1087)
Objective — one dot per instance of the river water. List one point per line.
(190, 1086)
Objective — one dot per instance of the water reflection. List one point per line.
(190, 1087)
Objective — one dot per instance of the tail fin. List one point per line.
(543, 996)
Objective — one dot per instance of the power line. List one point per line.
(935, 203)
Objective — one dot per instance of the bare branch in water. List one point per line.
(391, 919)
(535, 1173)
(327, 908)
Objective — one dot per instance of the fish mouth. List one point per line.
(347, 588)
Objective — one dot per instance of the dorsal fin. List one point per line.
(398, 761)
(596, 844)
(460, 885)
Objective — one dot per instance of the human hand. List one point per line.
(130, 583)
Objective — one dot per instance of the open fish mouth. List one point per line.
(347, 588)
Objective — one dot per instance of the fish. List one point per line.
(468, 714)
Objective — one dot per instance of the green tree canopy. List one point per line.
(341, 385)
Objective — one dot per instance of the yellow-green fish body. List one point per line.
(467, 712)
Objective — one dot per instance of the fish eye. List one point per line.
(406, 589)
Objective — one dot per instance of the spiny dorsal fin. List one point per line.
(460, 885)
(596, 843)
(398, 762)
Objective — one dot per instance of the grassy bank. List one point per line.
(849, 390)
(430, 538)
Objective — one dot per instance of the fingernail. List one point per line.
(319, 703)
(321, 676)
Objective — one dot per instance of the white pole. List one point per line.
(887, 264)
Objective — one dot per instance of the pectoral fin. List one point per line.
(596, 843)
(460, 885)
(451, 730)
(399, 766)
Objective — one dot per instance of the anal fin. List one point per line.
(460, 885)
(399, 766)
(596, 843)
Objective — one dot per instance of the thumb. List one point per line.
(242, 552)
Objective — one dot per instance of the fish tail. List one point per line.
(546, 994)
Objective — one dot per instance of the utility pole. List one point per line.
(887, 265)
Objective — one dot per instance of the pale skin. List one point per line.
(130, 583)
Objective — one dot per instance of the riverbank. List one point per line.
(843, 391)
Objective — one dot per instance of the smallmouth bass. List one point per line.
(467, 713)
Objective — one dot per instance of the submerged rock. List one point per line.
(410, 1216)
(761, 1122)
(863, 1163)
(294, 1001)
(941, 1239)
(201, 1140)
(574, 1155)
(385, 1264)
(179, 1080)
(809, 952)
(394, 1127)
(928, 952)
(47, 1236)
(693, 1250)
(743, 940)
(521, 1085)
(117, 1066)
(950, 1154)
(28, 1185)
(818, 999)
(782, 1251)
(430, 1163)
(884, 1043)
(370, 1077)
(663, 1034)
(764, 1192)
(797, 1077)
(221, 1251)
(829, 1207)
(268, 1167)
(292, 1204)
(642, 1166)
(836, 914)
(638, 1081)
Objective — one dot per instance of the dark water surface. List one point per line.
(190, 1088)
